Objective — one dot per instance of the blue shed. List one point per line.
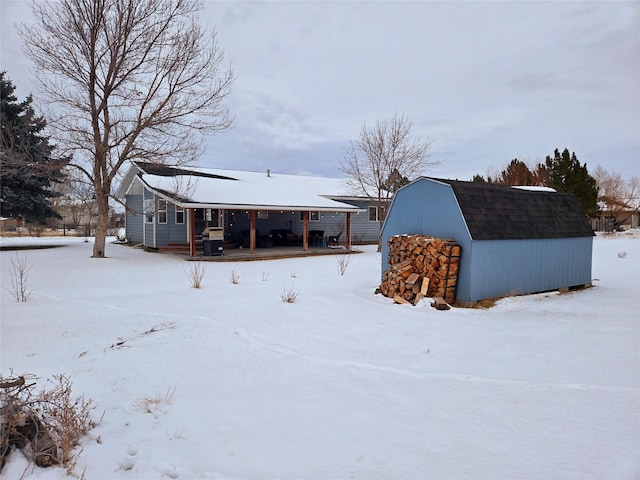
(514, 240)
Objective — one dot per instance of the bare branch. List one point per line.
(381, 150)
(383, 153)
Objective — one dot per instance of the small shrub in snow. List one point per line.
(155, 403)
(343, 262)
(19, 277)
(195, 274)
(289, 295)
(293, 274)
(46, 425)
(235, 278)
(35, 229)
(622, 254)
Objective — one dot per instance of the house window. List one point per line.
(373, 214)
(162, 211)
(314, 216)
(179, 215)
(263, 214)
(148, 210)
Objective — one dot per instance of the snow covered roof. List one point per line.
(196, 187)
(534, 188)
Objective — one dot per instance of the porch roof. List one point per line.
(196, 187)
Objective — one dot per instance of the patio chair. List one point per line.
(333, 239)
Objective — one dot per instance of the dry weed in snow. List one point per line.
(155, 404)
(195, 274)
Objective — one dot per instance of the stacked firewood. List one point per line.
(421, 267)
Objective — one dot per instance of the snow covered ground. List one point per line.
(341, 384)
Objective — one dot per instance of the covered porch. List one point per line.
(268, 230)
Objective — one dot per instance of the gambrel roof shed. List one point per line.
(514, 240)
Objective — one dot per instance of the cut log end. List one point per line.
(440, 304)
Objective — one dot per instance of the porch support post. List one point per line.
(252, 231)
(305, 230)
(348, 239)
(192, 232)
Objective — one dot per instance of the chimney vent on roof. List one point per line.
(268, 173)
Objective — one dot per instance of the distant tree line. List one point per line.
(563, 172)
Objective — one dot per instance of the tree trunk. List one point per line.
(101, 228)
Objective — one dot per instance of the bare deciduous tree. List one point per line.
(619, 196)
(383, 152)
(127, 80)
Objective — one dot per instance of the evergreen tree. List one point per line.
(395, 181)
(566, 174)
(27, 164)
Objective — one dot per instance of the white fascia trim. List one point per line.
(272, 208)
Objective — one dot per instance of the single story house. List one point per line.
(617, 214)
(514, 240)
(172, 207)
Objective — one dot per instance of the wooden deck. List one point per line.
(270, 253)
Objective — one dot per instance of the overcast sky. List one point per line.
(485, 81)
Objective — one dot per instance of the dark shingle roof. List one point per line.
(499, 212)
(171, 171)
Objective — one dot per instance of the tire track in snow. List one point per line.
(464, 378)
(283, 350)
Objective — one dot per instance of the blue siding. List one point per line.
(133, 218)
(331, 223)
(488, 269)
(507, 267)
(170, 231)
(177, 232)
(149, 237)
(427, 210)
(162, 234)
(362, 229)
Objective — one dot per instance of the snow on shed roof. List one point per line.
(497, 212)
(219, 188)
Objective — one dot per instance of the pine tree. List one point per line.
(27, 164)
(395, 181)
(566, 174)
